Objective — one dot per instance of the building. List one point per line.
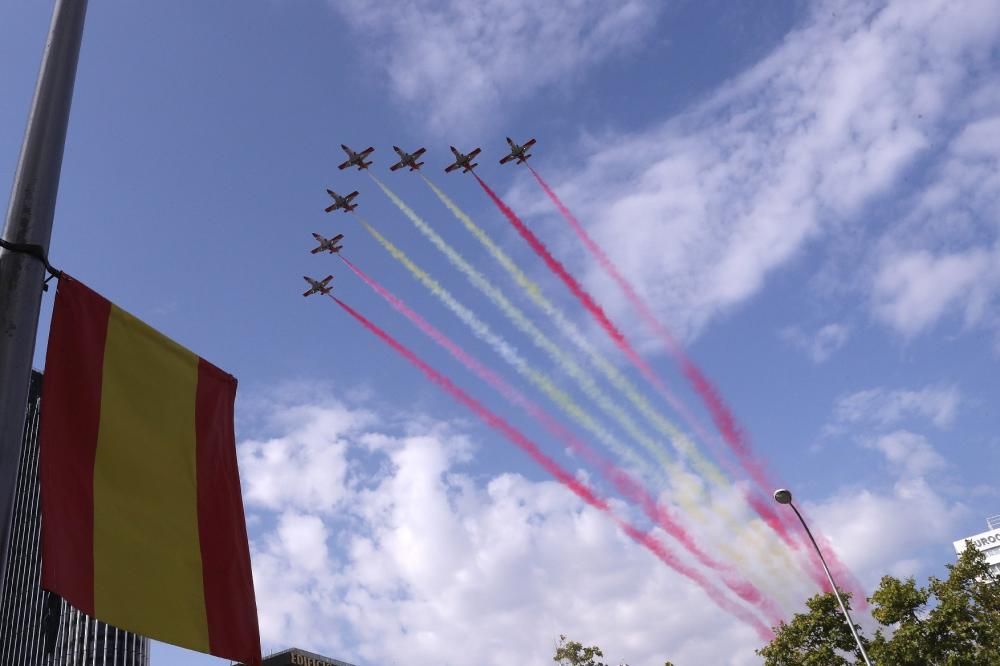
(37, 627)
(988, 542)
(297, 657)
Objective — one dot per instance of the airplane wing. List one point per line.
(344, 165)
(325, 281)
(530, 143)
(475, 152)
(397, 165)
(366, 152)
(451, 168)
(336, 238)
(351, 195)
(331, 207)
(307, 292)
(315, 250)
(419, 152)
(507, 158)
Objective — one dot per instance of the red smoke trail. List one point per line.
(722, 416)
(580, 489)
(622, 480)
(595, 310)
(598, 313)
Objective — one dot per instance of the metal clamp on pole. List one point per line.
(36, 251)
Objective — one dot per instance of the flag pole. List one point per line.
(26, 235)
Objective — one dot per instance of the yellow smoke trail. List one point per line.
(509, 354)
(681, 442)
(518, 318)
(688, 493)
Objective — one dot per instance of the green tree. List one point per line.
(573, 653)
(950, 622)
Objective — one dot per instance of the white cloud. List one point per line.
(981, 138)
(421, 563)
(305, 468)
(820, 346)
(914, 290)
(877, 532)
(699, 210)
(463, 60)
(909, 453)
(944, 256)
(883, 407)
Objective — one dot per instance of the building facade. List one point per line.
(37, 627)
(988, 542)
(297, 657)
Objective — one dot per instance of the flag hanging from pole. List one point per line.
(142, 515)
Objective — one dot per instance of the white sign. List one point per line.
(988, 542)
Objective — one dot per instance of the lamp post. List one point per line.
(29, 225)
(784, 496)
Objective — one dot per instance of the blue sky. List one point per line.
(805, 193)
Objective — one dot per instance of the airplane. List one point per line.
(463, 161)
(318, 286)
(343, 203)
(356, 159)
(518, 152)
(327, 244)
(406, 159)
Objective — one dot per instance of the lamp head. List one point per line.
(783, 496)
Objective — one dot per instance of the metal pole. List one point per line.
(29, 221)
(850, 622)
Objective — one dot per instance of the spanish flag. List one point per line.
(142, 516)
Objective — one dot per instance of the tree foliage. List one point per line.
(950, 622)
(573, 653)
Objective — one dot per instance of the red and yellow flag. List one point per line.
(142, 516)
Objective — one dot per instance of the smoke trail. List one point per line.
(595, 310)
(540, 340)
(704, 466)
(610, 371)
(690, 497)
(548, 464)
(622, 480)
(509, 354)
(572, 331)
(681, 442)
(722, 416)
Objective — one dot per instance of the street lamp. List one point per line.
(784, 496)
